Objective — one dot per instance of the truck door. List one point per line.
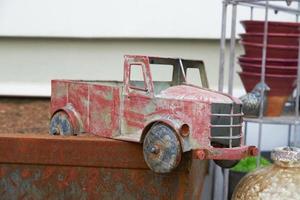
(137, 96)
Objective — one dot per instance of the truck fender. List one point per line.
(74, 117)
(175, 124)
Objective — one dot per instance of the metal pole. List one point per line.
(259, 144)
(298, 77)
(272, 6)
(232, 49)
(222, 47)
(225, 183)
(221, 68)
(245, 133)
(297, 90)
(297, 15)
(230, 84)
(221, 79)
(213, 171)
(251, 13)
(263, 62)
(263, 72)
(289, 135)
(296, 142)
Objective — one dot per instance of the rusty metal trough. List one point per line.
(40, 166)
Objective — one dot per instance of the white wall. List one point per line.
(118, 18)
(27, 65)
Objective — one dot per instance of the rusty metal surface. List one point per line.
(226, 153)
(70, 150)
(52, 182)
(87, 167)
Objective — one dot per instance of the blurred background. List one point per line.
(87, 39)
(51, 39)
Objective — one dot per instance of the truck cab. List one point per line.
(168, 115)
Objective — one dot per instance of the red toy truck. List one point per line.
(168, 117)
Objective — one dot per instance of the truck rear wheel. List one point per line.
(162, 149)
(60, 124)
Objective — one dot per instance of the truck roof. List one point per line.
(168, 60)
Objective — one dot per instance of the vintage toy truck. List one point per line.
(169, 117)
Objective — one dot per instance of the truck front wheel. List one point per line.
(60, 124)
(162, 149)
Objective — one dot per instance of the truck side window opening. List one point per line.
(162, 76)
(161, 72)
(193, 76)
(137, 80)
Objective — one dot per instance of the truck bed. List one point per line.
(96, 102)
(95, 82)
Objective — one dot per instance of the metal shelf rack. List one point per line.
(291, 121)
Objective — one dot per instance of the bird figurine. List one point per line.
(252, 100)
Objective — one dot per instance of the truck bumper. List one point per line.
(235, 153)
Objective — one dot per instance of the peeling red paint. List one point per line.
(117, 110)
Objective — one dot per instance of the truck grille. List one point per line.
(226, 125)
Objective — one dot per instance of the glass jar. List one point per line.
(279, 181)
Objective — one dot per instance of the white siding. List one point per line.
(117, 18)
(28, 65)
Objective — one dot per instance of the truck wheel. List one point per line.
(60, 124)
(161, 148)
(226, 163)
